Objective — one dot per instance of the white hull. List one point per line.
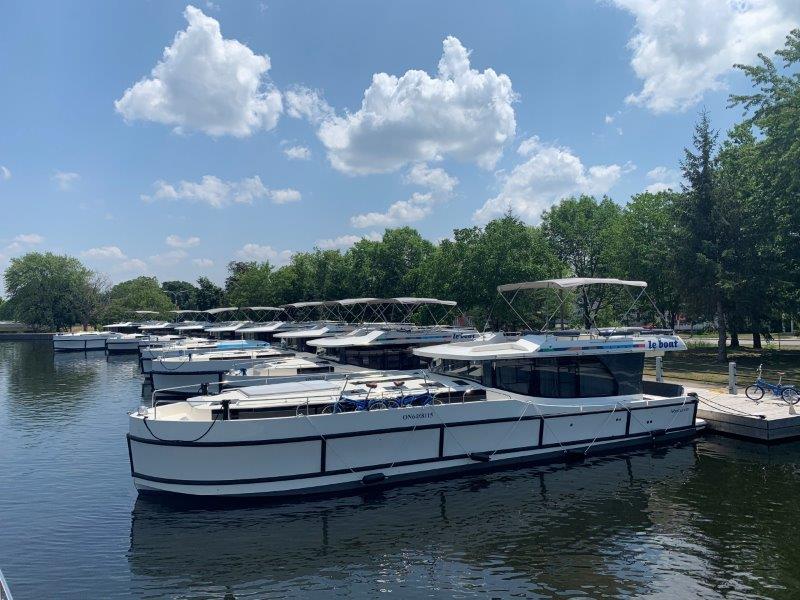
(81, 344)
(320, 453)
(124, 345)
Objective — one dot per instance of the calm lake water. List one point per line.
(713, 518)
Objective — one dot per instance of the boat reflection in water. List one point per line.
(528, 531)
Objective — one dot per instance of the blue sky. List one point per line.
(172, 164)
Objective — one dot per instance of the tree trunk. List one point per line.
(722, 350)
(734, 333)
(756, 332)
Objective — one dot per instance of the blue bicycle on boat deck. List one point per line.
(788, 393)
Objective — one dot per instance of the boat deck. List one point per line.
(769, 420)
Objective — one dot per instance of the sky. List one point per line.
(167, 139)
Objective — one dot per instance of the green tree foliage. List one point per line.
(46, 290)
(644, 243)
(704, 241)
(469, 268)
(209, 294)
(142, 293)
(581, 232)
(774, 109)
(249, 284)
(182, 293)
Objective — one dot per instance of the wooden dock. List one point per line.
(769, 420)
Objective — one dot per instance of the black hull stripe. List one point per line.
(333, 436)
(327, 473)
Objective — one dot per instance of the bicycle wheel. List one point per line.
(380, 405)
(329, 410)
(754, 392)
(790, 395)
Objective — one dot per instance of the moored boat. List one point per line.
(83, 341)
(496, 400)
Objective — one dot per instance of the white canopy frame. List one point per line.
(579, 284)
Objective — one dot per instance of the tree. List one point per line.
(774, 109)
(46, 290)
(209, 294)
(644, 247)
(182, 293)
(469, 268)
(703, 232)
(141, 293)
(581, 234)
(250, 286)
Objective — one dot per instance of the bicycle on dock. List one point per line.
(788, 393)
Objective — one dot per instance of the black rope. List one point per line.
(197, 439)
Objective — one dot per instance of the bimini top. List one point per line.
(216, 311)
(185, 312)
(567, 283)
(412, 300)
(262, 308)
(350, 301)
(146, 312)
(304, 304)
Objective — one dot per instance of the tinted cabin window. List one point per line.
(595, 378)
(571, 376)
(627, 370)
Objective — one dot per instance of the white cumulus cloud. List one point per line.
(205, 82)
(663, 178)
(346, 241)
(133, 264)
(683, 48)
(5, 173)
(105, 252)
(65, 179)
(203, 262)
(29, 238)
(305, 103)
(549, 174)
(285, 196)
(169, 258)
(253, 251)
(461, 112)
(440, 187)
(297, 152)
(176, 241)
(217, 193)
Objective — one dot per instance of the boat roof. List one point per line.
(500, 346)
(234, 326)
(262, 308)
(216, 311)
(567, 283)
(262, 328)
(185, 311)
(146, 312)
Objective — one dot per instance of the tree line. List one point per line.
(725, 248)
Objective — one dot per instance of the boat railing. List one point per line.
(329, 396)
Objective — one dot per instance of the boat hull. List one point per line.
(351, 452)
(79, 344)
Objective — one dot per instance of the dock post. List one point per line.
(660, 369)
(732, 378)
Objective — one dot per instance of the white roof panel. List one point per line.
(567, 283)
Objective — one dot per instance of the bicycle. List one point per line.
(352, 404)
(788, 393)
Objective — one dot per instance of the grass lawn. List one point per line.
(700, 364)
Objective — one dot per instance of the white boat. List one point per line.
(192, 373)
(127, 342)
(493, 401)
(190, 346)
(298, 338)
(283, 369)
(82, 341)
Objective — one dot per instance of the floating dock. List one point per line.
(768, 420)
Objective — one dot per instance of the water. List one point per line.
(713, 518)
